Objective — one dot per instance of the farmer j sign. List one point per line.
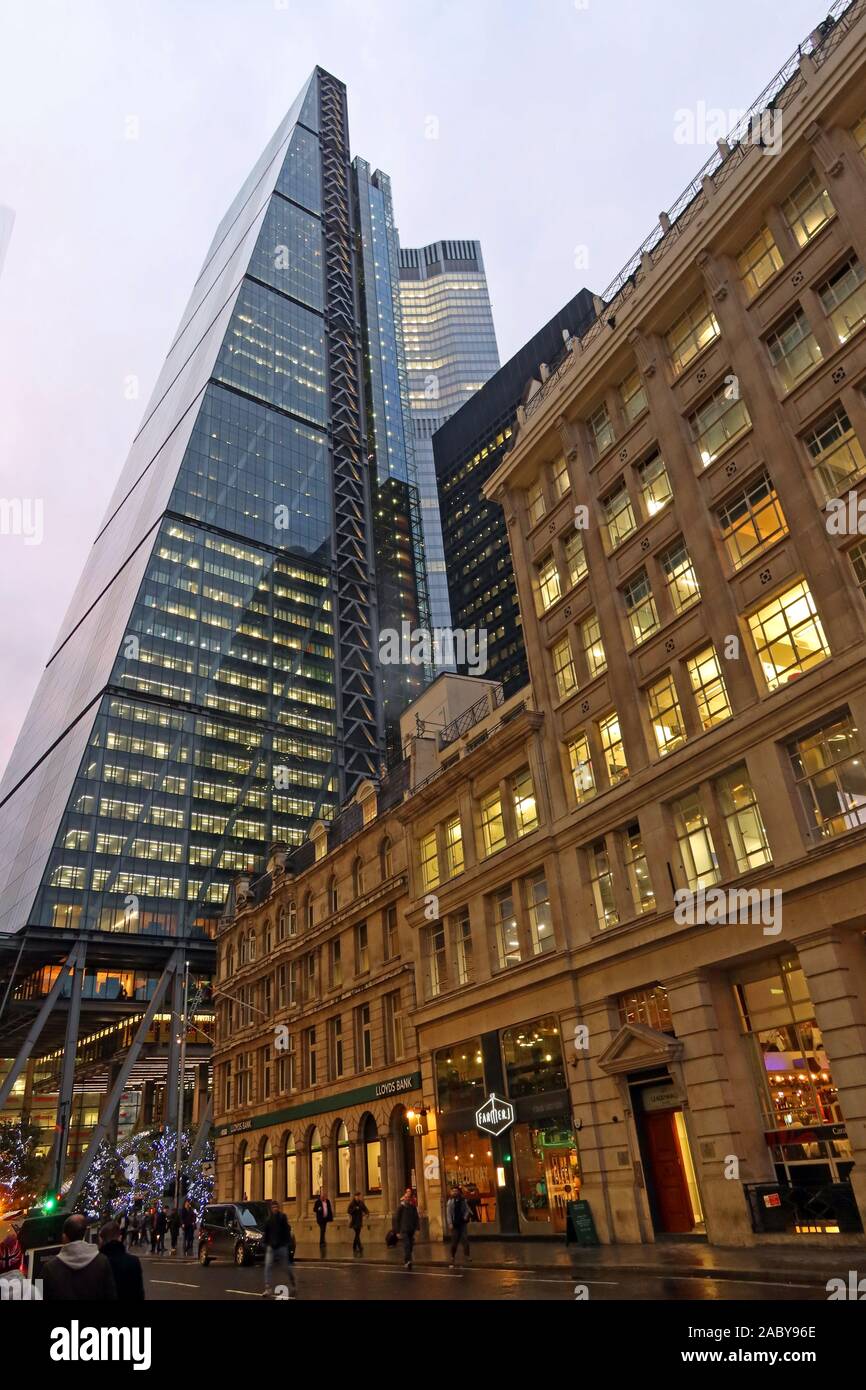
(495, 1116)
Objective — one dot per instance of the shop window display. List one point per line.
(468, 1162)
(533, 1058)
(547, 1173)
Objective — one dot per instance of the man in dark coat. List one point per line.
(79, 1272)
(277, 1240)
(406, 1224)
(160, 1226)
(323, 1211)
(126, 1268)
(187, 1221)
(357, 1212)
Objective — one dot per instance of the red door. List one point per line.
(669, 1180)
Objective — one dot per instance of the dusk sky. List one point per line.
(127, 127)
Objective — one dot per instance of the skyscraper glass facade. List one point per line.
(451, 352)
(213, 684)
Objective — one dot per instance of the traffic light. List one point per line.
(50, 1202)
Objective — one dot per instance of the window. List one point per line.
(655, 485)
(538, 913)
(536, 502)
(828, 766)
(649, 1005)
(601, 429)
(335, 1048)
(333, 895)
(580, 758)
(640, 607)
(391, 934)
(680, 577)
(293, 919)
(291, 1169)
(859, 133)
(308, 912)
(534, 1064)
(759, 261)
(547, 586)
(601, 881)
(362, 949)
(666, 715)
(282, 986)
(310, 1057)
(372, 1155)
(720, 420)
(751, 520)
(561, 480)
(363, 1038)
(742, 814)
(460, 1075)
(392, 1020)
(708, 684)
(593, 647)
(793, 349)
(614, 748)
(857, 556)
(507, 939)
(335, 951)
(294, 993)
(525, 808)
(429, 862)
(618, 515)
(696, 843)
(691, 334)
(343, 1162)
(311, 990)
(575, 557)
(563, 669)
(454, 846)
(808, 208)
(843, 296)
(492, 824)
(633, 396)
(357, 878)
(386, 859)
(317, 1163)
(461, 946)
(788, 636)
(836, 451)
(433, 960)
(637, 870)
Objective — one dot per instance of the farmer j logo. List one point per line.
(495, 1117)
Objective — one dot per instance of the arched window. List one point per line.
(246, 1174)
(387, 857)
(291, 1169)
(230, 961)
(267, 1171)
(293, 919)
(317, 1163)
(343, 1153)
(372, 1155)
(358, 877)
(333, 895)
(251, 945)
(281, 926)
(269, 938)
(308, 911)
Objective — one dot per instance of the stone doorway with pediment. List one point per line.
(646, 1066)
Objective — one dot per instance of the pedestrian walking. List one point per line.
(126, 1268)
(80, 1272)
(160, 1226)
(151, 1229)
(458, 1216)
(357, 1212)
(278, 1239)
(324, 1213)
(187, 1221)
(406, 1224)
(174, 1228)
(135, 1229)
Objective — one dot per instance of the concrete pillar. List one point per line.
(834, 963)
(722, 1110)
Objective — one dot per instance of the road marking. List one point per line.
(247, 1293)
(175, 1283)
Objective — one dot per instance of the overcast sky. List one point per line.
(127, 126)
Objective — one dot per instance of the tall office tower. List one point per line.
(401, 582)
(467, 449)
(450, 352)
(214, 683)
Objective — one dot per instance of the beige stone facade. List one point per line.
(694, 619)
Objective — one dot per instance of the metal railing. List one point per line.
(470, 717)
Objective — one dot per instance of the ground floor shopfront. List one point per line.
(365, 1140)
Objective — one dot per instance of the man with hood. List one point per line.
(80, 1271)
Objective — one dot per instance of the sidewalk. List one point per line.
(678, 1259)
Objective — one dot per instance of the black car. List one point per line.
(234, 1231)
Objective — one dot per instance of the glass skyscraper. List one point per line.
(450, 353)
(214, 685)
